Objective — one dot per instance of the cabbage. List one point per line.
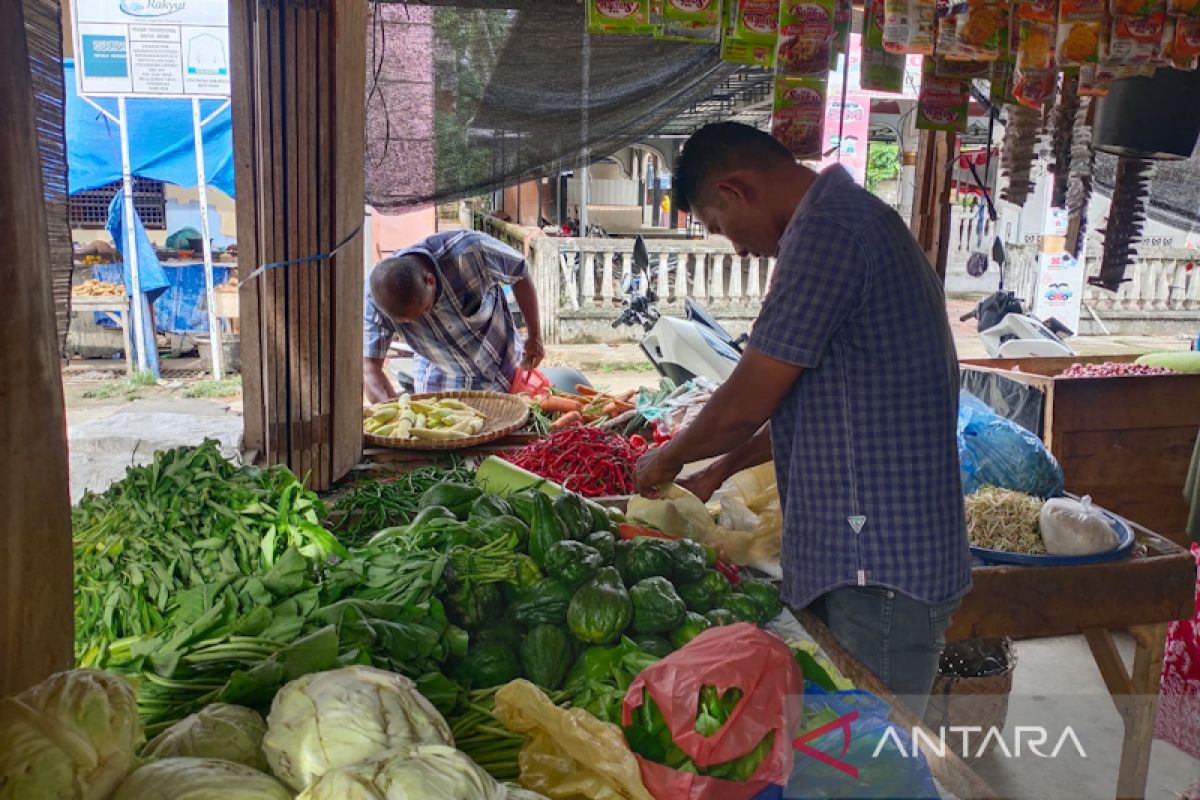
(416, 772)
(71, 737)
(227, 732)
(199, 779)
(327, 720)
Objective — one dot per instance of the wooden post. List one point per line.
(931, 198)
(36, 609)
(299, 71)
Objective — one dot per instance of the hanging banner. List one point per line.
(154, 48)
(850, 149)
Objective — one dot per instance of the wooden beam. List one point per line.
(36, 607)
(930, 222)
(299, 131)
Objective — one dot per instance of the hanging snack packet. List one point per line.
(942, 103)
(1135, 41)
(979, 33)
(619, 16)
(1184, 8)
(843, 17)
(1036, 49)
(1135, 8)
(805, 38)
(881, 71)
(961, 70)
(1183, 43)
(798, 119)
(1037, 11)
(1080, 23)
(1094, 80)
(1032, 88)
(751, 30)
(690, 21)
(909, 26)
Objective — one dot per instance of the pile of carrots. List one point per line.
(585, 406)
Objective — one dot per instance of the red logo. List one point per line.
(801, 743)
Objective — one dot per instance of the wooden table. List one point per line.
(403, 460)
(1140, 595)
(116, 308)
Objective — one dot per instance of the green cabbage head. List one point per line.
(71, 737)
(222, 731)
(327, 720)
(416, 772)
(199, 779)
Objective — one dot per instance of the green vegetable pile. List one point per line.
(649, 736)
(224, 587)
(379, 503)
(189, 519)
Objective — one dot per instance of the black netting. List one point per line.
(466, 97)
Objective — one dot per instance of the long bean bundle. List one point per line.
(381, 503)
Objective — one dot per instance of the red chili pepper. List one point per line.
(584, 458)
(730, 571)
(637, 440)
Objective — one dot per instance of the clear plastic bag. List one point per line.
(1075, 528)
(994, 451)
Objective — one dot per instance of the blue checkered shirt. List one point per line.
(469, 339)
(864, 442)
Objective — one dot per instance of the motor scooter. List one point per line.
(680, 349)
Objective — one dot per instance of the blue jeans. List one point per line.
(898, 638)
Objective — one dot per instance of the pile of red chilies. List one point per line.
(584, 459)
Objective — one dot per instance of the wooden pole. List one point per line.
(36, 610)
(299, 123)
(931, 197)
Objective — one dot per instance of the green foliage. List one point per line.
(883, 163)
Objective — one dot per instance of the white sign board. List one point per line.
(152, 48)
(1059, 289)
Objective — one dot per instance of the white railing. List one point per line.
(585, 276)
(1160, 281)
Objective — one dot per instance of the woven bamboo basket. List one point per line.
(502, 414)
(955, 700)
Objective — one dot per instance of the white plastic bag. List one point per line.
(1075, 528)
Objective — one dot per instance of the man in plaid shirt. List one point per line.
(445, 297)
(850, 381)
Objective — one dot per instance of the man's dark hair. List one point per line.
(718, 148)
(399, 277)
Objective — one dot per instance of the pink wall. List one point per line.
(392, 232)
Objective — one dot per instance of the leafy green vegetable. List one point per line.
(705, 594)
(601, 609)
(692, 626)
(572, 562)
(504, 527)
(601, 676)
(546, 656)
(649, 736)
(371, 505)
(656, 607)
(446, 695)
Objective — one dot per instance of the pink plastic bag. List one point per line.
(531, 382)
(742, 656)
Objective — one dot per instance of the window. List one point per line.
(90, 209)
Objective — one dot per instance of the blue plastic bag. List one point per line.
(994, 451)
(885, 763)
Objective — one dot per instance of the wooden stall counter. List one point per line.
(1126, 441)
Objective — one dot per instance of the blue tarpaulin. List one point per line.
(151, 278)
(182, 307)
(161, 141)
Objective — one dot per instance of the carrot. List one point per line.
(627, 531)
(626, 397)
(586, 391)
(566, 420)
(558, 405)
(611, 410)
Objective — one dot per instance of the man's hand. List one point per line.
(705, 482)
(654, 469)
(534, 352)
